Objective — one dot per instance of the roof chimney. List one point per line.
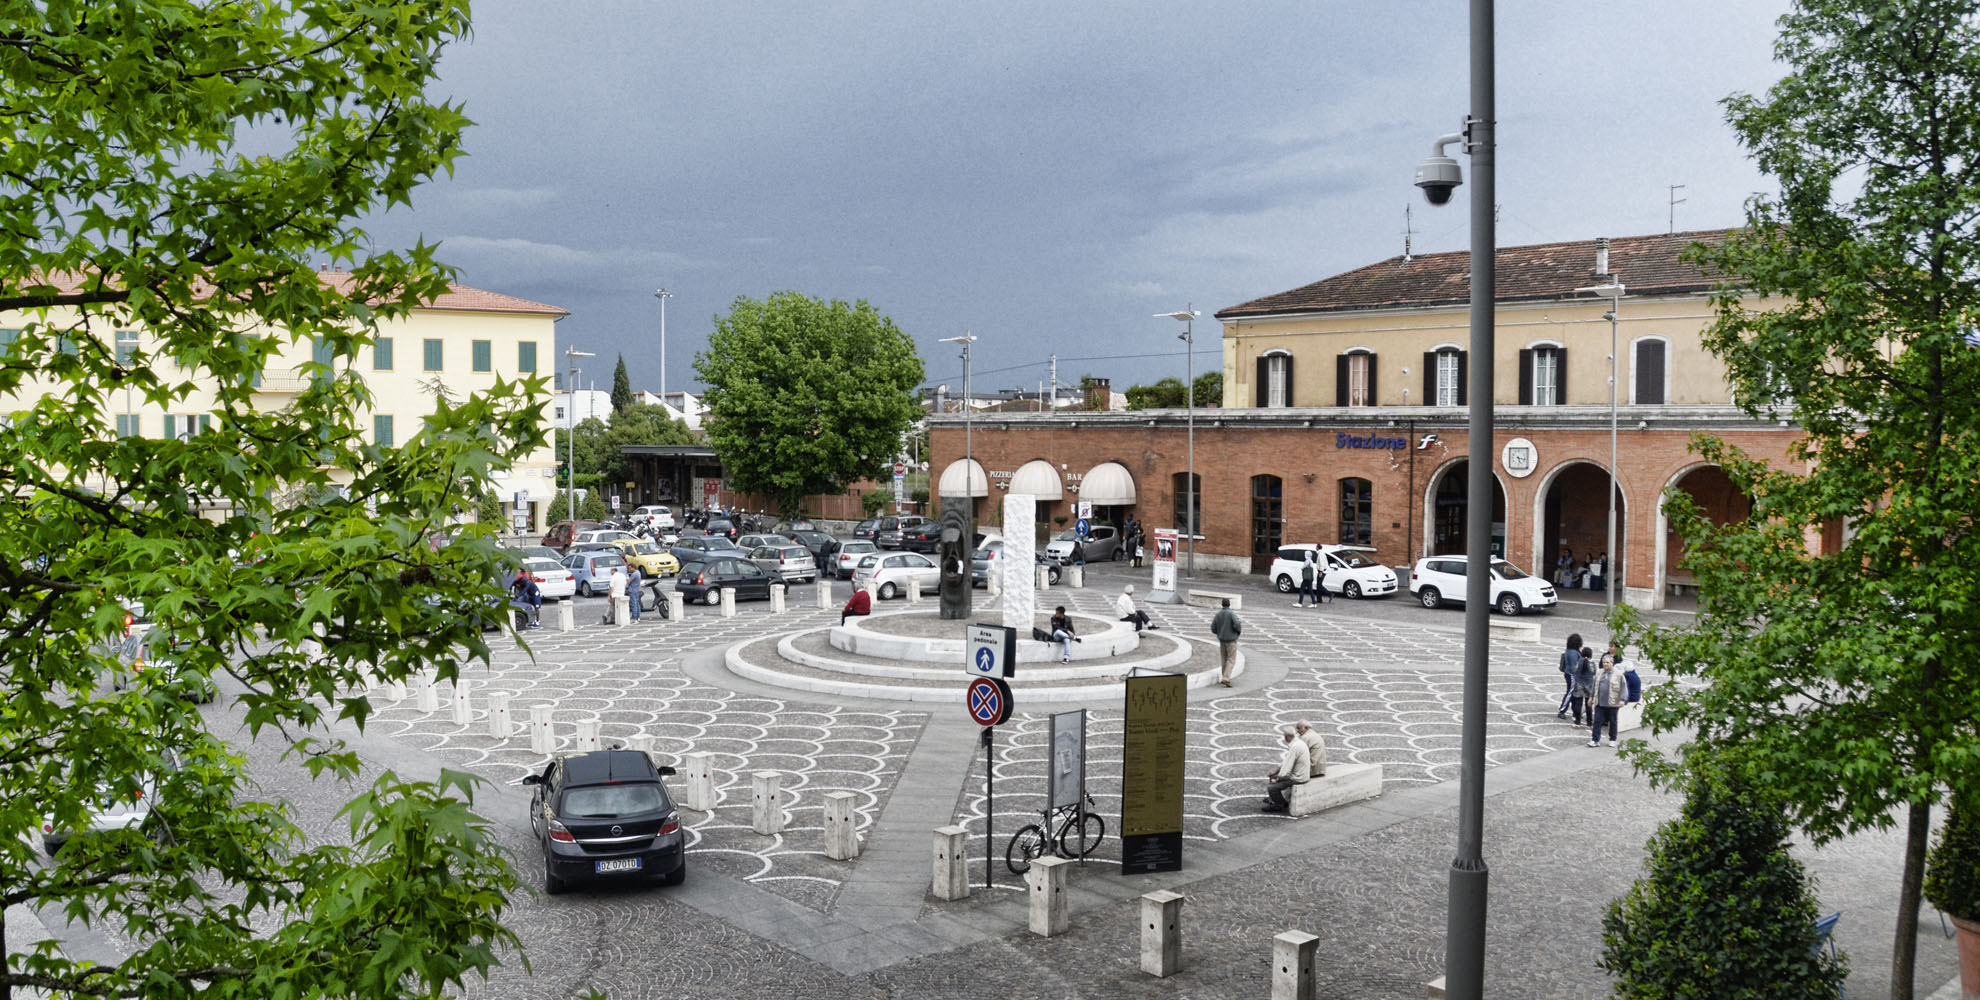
(1601, 255)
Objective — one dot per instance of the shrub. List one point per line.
(1724, 912)
(872, 503)
(1952, 870)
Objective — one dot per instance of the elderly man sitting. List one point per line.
(1294, 769)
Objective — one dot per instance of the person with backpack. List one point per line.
(527, 597)
(1309, 578)
(1584, 687)
(1570, 663)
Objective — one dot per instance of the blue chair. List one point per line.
(1825, 938)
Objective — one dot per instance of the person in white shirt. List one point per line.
(1294, 769)
(617, 589)
(1129, 613)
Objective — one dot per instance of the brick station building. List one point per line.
(1344, 420)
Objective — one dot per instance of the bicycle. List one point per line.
(1073, 834)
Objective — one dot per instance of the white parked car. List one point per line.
(849, 554)
(655, 516)
(1350, 570)
(892, 573)
(553, 580)
(1436, 579)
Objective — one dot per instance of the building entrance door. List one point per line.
(1268, 521)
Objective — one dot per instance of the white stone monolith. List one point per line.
(566, 616)
(1017, 579)
(824, 592)
(1292, 965)
(1075, 576)
(584, 737)
(542, 730)
(912, 590)
(700, 771)
(841, 827)
(463, 702)
(1161, 933)
(621, 611)
(1047, 909)
(766, 802)
(728, 602)
(951, 868)
(776, 598)
(677, 607)
(428, 690)
(500, 725)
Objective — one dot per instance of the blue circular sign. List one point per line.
(986, 660)
(1083, 527)
(989, 700)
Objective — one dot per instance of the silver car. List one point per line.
(789, 562)
(892, 573)
(850, 553)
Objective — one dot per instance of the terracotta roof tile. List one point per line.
(1648, 265)
(461, 298)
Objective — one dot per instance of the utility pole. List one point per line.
(1055, 383)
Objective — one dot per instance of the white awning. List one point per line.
(1038, 478)
(1108, 485)
(963, 478)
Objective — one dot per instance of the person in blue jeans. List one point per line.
(1570, 665)
(634, 583)
(1062, 633)
(1610, 692)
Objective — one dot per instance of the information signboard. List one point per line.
(1165, 559)
(1065, 775)
(1154, 730)
(990, 650)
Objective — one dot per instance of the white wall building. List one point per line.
(572, 408)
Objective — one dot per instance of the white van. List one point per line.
(1436, 579)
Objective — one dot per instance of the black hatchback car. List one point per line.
(703, 581)
(604, 816)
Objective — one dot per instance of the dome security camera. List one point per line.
(1438, 175)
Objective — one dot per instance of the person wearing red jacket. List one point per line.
(861, 604)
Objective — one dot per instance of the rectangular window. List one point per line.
(1275, 379)
(560, 414)
(381, 430)
(432, 345)
(1357, 380)
(64, 345)
(1357, 512)
(484, 356)
(1447, 378)
(1180, 483)
(381, 354)
(8, 335)
(526, 356)
(128, 425)
(1543, 376)
(171, 426)
(1649, 372)
(127, 345)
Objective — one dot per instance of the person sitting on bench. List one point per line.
(1294, 769)
(1129, 613)
(861, 604)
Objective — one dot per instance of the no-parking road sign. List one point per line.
(989, 700)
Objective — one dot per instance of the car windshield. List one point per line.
(859, 546)
(792, 553)
(869, 562)
(1507, 570)
(1355, 560)
(981, 555)
(1068, 535)
(606, 801)
(543, 566)
(646, 549)
(607, 562)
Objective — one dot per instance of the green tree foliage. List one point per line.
(125, 203)
(1724, 912)
(1208, 389)
(598, 452)
(622, 392)
(807, 396)
(1165, 393)
(1850, 674)
(874, 502)
(1952, 871)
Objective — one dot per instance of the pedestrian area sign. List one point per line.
(989, 650)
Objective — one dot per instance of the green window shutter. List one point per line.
(8, 335)
(171, 427)
(381, 354)
(432, 354)
(484, 356)
(381, 430)
(128, 425)
(127, 344)
(205, 423)
(526, 356)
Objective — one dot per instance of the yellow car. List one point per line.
(651, 559)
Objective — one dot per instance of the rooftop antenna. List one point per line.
(1408, 232)
(1675, 202)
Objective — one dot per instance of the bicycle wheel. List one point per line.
(1026, 844)
(1077, 840)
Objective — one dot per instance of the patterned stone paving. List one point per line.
(629, 681)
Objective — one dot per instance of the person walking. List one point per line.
(1309, 578)
(1227, 628)
(1129, 613)
(1570, 662)
(1611, 690)
(1295, 768)
(1062, 633)
(1584, 687)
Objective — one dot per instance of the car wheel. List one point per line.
(1055, 575)
(677, 876)
(1352, 590)
(887, 591)
(584, 588)
(1284, 583)
(1118, 555)
(1429, 597)
(552, 885)
(1509, 604)
(711, 597)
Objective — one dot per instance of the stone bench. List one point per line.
(1679, 584)
(1214, 598)
(1342, 784)
(1502, 627)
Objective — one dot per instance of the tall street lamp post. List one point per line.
(969, 421)
(571, 356)
(1188, 315)
(1613, 291)
(663, 295)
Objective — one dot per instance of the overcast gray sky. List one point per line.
(1046, 175)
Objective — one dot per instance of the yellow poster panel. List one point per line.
(1155, 720)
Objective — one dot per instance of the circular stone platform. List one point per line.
(918, 656)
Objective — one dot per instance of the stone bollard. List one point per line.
(566, 617)
(677, 608)
(1044, 579)
(1075, 576)
(395, 690)
(642, 743)
(872, 593)
(991, 585)
(499, 723)
(622, 611)
(912, 590)
(429, 692)
(585, 737)
(766, 803)
(1046, 882)
(841, 827)
(700, 770)
(1434, 989)
(824, 591)
(463, 702)
(951, 868)
(1161, 933)
(1292, 965)
(542, 731)
(728, 602)
(777, 598)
